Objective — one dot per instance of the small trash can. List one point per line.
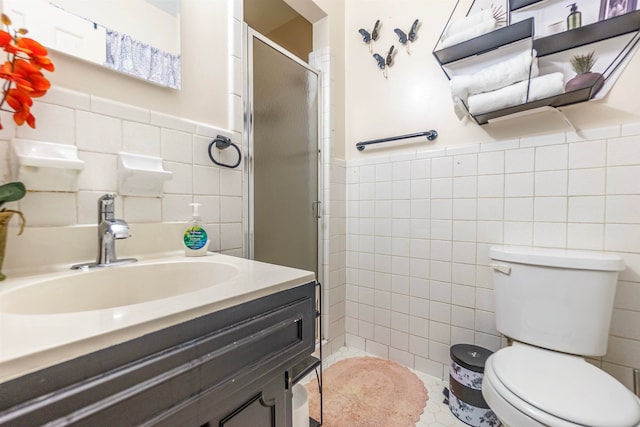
(465, 386)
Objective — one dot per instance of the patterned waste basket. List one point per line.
(465, 386)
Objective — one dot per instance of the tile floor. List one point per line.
(436, 413)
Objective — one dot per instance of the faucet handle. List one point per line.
(106, 206)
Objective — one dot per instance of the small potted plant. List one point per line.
(582, 65)
(10, 192)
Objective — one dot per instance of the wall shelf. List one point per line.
(554, 101)
(486, 42)
(592, 33)
(520, 4)
(475, 48)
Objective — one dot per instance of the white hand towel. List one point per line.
(503, 74)
(516, 94)
(469, 32)
(546, 86)
(462, 24)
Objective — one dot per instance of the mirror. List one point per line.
(143, 42)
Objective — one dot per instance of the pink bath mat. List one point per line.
(368, 392)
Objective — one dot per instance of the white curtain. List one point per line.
(142, 60)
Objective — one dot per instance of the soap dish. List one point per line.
(46, 166)
(141, 176)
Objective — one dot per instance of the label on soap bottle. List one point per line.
(195, 238)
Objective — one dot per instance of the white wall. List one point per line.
(416, 95)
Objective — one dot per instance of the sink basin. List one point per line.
(112, 287)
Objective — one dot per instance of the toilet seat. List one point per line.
(559, 389)
(511, 410)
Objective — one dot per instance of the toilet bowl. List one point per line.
(556, 306)
(527, 386)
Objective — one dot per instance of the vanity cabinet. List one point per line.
(552, 50)
(231, 368)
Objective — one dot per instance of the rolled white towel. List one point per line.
(462, 24)
(546, 86)
(516, 94)
(469, 32)
(503, 74)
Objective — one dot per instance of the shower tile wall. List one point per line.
(100, 128)
(235, 80)
(336, 292)
(333, 208)
(419, 227)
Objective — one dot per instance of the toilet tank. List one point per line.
(553, 298)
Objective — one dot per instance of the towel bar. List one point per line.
(430, 134)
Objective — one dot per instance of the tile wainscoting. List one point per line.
(101, 128)
(419, 227)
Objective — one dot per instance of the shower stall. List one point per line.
(282, 136)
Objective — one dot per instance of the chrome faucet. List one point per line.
(109, 230)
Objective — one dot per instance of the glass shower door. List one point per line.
(283, 142)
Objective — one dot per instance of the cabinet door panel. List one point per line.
(266, 339)
(256, 413)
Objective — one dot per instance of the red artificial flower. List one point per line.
(5, 38)
(22, 73)
(42, 62)
(21, 103)
(31, 46)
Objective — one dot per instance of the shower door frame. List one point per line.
(248, 140)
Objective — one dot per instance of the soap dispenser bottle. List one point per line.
(574, 20)
(196, 241)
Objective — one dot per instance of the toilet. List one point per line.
(556, 306)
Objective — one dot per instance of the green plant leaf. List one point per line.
(11, 192)
(583, 63)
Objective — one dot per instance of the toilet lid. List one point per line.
(566, 387)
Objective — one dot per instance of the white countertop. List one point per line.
(29, 342)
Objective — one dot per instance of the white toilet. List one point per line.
(556, 306)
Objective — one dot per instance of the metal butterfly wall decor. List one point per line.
(385, 63)
(406, 38)
(368, 37)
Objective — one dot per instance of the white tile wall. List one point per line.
(436, 213)
(100, 128)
